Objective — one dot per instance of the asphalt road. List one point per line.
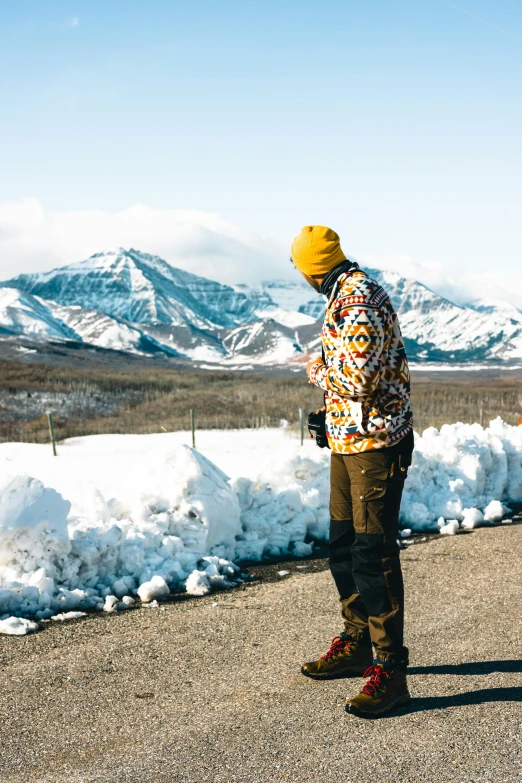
(210, 689)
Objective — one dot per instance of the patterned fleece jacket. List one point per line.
(365, 373)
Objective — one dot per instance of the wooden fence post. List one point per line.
(51, 431)
(301, 422)
(193, 427)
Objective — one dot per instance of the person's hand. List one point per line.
(311, 364)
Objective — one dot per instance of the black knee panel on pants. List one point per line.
(369, 555)
(342, 536)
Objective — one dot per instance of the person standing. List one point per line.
(364, 374)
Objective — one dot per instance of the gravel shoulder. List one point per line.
(210, 689)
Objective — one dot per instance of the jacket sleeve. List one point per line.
(358, 334)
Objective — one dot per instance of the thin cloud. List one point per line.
(74, 21)
(481, 19)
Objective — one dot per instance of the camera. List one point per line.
(317, 428)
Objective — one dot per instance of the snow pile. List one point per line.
(288, 506)
(462, 474)
(176, 513)
(94, 529)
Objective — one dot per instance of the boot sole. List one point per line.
(340, 676)
(399, 702)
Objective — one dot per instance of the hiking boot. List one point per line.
(385, 690)
(345, 658)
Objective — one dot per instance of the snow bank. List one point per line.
(118, 516)
(175, 510)
(463, 472)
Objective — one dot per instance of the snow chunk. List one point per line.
(121, 587)
(198, 583)
(17, 626)
(156, 588)
(450, 529)
(68, 616)
(472, 518)
(301, 549)
(494, 511)
(110, 603)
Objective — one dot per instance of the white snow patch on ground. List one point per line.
(17, 626)
(68, 616)
(450, 528)
(116, 516)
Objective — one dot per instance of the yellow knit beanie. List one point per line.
(316, 250)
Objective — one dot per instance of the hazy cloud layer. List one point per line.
(454, 285)
(33, 239)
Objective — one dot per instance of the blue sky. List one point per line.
(397, 122)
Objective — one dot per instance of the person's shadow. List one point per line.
(482, 696)
(475, 667)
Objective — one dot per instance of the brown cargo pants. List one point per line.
(365, 498)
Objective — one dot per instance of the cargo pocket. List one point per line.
(373, 470)
(373, 500)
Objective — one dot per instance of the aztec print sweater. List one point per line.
(365, 375)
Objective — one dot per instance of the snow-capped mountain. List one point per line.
(143, 289)
(437, 329)
(130, 301)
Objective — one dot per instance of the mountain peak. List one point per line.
(141, 288)
(112, 251)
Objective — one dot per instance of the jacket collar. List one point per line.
(329, 282)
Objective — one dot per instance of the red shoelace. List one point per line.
(338, 645)
(377, 677)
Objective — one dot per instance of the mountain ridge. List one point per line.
(135, 302)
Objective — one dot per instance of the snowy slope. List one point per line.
(288, 303)
(95, 328)
(263, 342)
(187, 341)
(22, 313)
(32, 316)
(295, 296)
